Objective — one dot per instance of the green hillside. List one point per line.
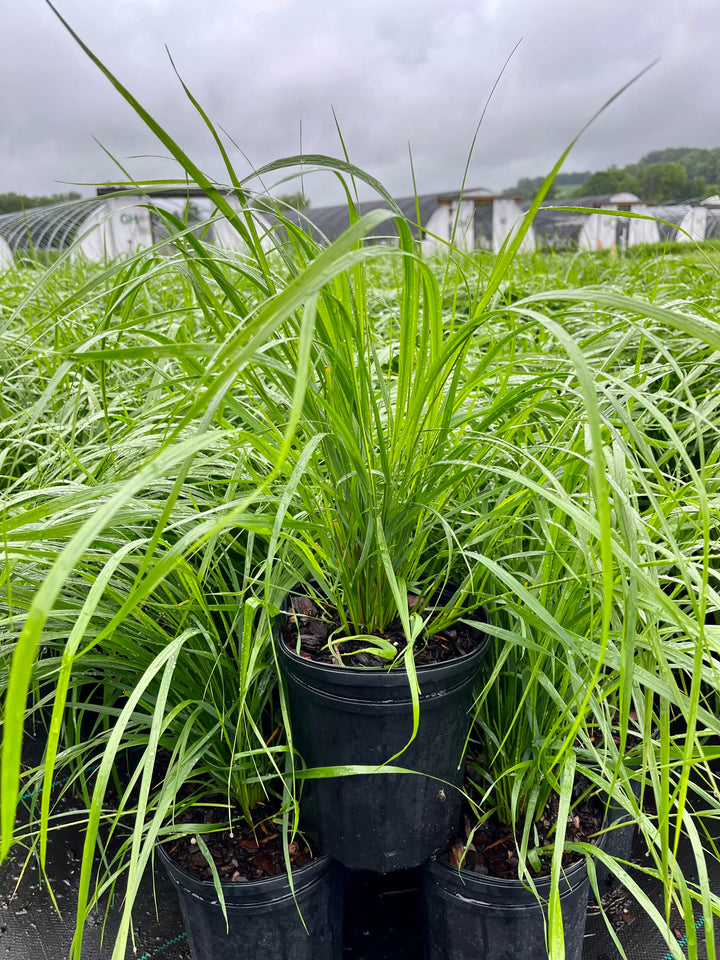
(674, 173)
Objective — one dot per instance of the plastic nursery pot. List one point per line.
(264, 919)
(618, 840)
(351, 715)
(467, 916)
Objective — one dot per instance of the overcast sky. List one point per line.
(395, 71)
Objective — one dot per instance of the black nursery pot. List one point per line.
(618, 841)
(350, 715)
(263, 917)
(467, 916)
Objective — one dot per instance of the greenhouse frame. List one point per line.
(468, 220)
(561, 229)
(115, 224)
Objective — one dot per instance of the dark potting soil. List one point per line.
(317, 624)
(492, 850)
(245, 853)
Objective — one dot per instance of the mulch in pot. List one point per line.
(242, 854)
(492, 851)
(316, 624)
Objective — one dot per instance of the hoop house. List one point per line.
(6, 256)
(100, 228)
(50, 229)
(680, 217)
(474, 219)
(560, 229)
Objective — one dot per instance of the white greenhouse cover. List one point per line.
(6, 258)
(453, 221)
(642, 231)
(117, 228)
(598, 232)
(507, 216)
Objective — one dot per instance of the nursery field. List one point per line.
(528, 446)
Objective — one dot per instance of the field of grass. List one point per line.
(166, 471)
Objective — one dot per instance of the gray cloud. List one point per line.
(413, 70)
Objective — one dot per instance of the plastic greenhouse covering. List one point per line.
(6, 255)
(106, 227)
(46, 228)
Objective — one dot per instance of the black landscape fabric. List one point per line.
(382, 919)
(382, 916)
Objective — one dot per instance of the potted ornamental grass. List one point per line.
(375, 626)
(383, 473)
(131, 633)
(373, 541)
(182, 756)
(506, 886)
(593, 662)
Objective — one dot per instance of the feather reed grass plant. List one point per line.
(185, 438)
(605, 657)
(131, 523)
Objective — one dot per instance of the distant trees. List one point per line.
(12, 202)
(654, 181)
(527, 187)
(675, 173)
(611, 180)
(695, 161)
(664, 181)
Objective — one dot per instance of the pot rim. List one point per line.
(350, 671)
(440, 865)
(317, 865)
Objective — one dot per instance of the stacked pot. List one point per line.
(390, 821)
(267, 919)
(364, 717)
(379, 821)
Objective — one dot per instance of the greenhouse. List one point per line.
(6, 255)
(690, 221)
(50, 228)
(559, 229)
(473, 219)
(111, 225)
(683, 222)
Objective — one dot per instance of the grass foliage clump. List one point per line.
(190, 432)
(554, 452)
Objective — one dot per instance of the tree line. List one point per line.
(12, 202)
(675, 173)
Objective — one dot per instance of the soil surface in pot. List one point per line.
(240, 855)
(316, 625)
(492, 850)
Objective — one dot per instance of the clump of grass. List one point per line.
(185, 431)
